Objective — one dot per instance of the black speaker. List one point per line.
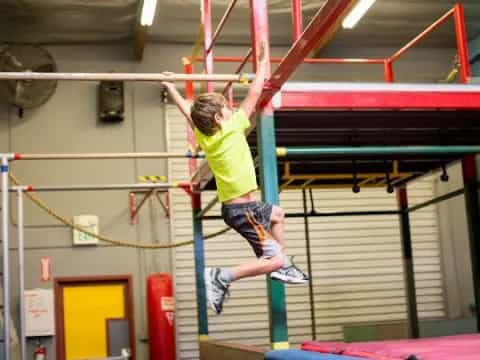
(110, 101)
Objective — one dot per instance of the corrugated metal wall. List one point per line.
(357, 266)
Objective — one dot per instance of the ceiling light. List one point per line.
(356, 14)
(148, 12)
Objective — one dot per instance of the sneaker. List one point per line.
(290, 275)
(215, 290)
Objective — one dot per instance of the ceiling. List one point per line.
(388, 23)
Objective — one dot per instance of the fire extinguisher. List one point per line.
(40, 352)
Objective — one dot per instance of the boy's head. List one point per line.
(208, 111)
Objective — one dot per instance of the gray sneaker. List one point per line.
(216, 291)
(290, 275)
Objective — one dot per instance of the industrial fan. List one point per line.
(26, 94)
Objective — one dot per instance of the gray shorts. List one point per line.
(252, 221)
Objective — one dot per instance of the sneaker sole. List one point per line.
(208, 289)
(286, 280)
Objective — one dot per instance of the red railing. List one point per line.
(457, 12)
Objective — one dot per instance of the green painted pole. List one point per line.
(199, 268)
(473, 218)
(376, 150)
(407, 252)
(269, 186)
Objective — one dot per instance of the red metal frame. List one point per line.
(320, 29)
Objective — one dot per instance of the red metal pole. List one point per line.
(260, 33)
(389, 71)
(462, 42)
(207, 33)
(422, 35)
(221, 24)
(297, 19)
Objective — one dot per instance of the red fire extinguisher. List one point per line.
(161, 317)
(40, 352)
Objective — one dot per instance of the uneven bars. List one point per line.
(125, 76)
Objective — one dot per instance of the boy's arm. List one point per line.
(256, 87)
(182, 104)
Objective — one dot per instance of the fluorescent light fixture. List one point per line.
(148, 12)
(356, 14)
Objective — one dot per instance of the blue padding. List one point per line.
(304, 355)
(3, 168)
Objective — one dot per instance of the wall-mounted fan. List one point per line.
(26, 94)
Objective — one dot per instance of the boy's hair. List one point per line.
(203, 112)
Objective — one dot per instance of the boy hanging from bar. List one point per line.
(221, 133)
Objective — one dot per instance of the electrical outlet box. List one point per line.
(88, 222)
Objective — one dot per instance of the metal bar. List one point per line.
(199, 268)
(239, 69)
(309, 265)
(94, 156)
(321, 27)
(320, 214)
(376, 150)
(209, 77)
(297, 19)
(6, 266)
(450, 195)
(101, 187)
(207, 208)
(268, 171)
(221, 24)
(470, 177)
(21, 267)
(237, 59)
(409, 273)
(422, 35)
(207, 39)
(462, 42)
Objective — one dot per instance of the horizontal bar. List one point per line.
(376, 150)
(422, 35)
(96, 156)
(320, 214)
(237, 59)
(54, 188)
(125, 77)
(436, 200)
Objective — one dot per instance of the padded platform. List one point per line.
(304, 355)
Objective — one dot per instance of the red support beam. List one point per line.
(260, 34)
(389, 71)
(462, 42)
(323, 25)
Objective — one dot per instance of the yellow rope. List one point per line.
(69, 223)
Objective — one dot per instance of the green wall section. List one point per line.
(474, 48)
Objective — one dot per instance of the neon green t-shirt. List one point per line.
(229, 157)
